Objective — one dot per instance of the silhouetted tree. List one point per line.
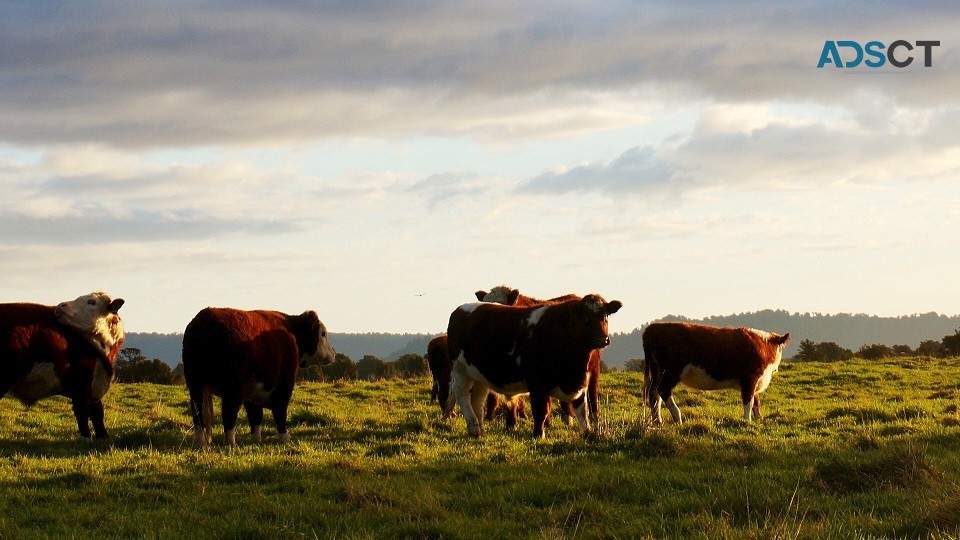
(874, 352)
(372, 368)
(930, 348)
(951, 344)
(133, 367)
(411, 366)
(342, 368)
(634, 364)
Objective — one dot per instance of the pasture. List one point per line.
(859, 449)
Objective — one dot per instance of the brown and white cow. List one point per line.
(69, 349)
(544, 351)
(440, 363)
(508, 296)
(708, 358)
(249, 358)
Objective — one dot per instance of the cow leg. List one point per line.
(478, 398)
(231, 409)
(460, 389)
(255, 418)
(654, 401)
(593, 397)
(748, 396)
(568, 409)
(665, 392)
(96, 416)
(756, 406)
(540, 406)
(279, 411)
(579, 407)
(493, 401)
(512, 405)
(200, 437)
(81, 411)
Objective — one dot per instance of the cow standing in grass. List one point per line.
(247, 358)
(507, 296)
(69, 349)
(708, 358)
(544, 351)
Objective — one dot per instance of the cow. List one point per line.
(440, 363)
(708, 358)
(507, 296)
(544, 351)
(248, 358)
(69, 349)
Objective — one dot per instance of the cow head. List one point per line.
(94, 316)
(593, 310)
(501, 294)
(312, 337)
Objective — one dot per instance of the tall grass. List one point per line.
(861, 449)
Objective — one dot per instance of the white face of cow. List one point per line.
(501, 294)
(94, 316)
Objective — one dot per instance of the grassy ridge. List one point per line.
(853, 450)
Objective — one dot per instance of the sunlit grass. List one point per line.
(848, 450)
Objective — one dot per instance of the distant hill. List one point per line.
(849, 331)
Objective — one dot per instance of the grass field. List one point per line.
(861, 449)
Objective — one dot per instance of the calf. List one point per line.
(544, 351)
(249, 358)
(708, 358)
(69, 349)
(507, 296)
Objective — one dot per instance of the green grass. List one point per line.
(858, 449)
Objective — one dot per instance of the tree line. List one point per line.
(829, 351)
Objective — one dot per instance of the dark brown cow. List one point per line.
(249, 358)
(69, 349)
(708, 358)
(543, 351)
(507, 296)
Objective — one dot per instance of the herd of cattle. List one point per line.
(504, 345)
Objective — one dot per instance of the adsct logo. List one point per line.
(900, 53)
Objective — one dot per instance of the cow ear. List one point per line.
(780, 340)
(481, 295)
(512, 297)
(115, 305)
(613, 307)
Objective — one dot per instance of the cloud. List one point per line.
(637, 169)
(101, 229)
(771, 147)
(147, 75)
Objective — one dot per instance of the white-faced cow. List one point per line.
(249, 358)
(69, 349)
(708, 358)
(508, 296)
(544, 351)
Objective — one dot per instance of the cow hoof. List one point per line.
(284, 437)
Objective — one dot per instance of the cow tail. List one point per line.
(206, 414)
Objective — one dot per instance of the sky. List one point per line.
(378, 162)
